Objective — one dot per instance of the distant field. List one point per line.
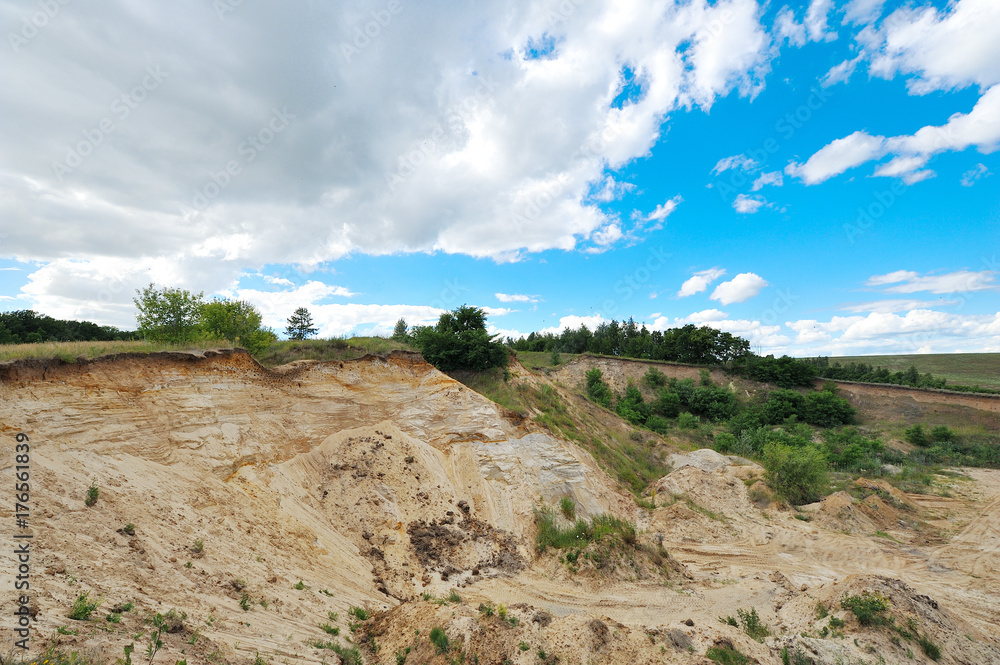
(966, 368)
(70, 351)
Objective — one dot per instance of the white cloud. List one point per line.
(748, 205)
(897, 305)
(573, 322)
(741, 162)
(962, 281)
(978, 172)
(816, 20)
(837, 157)
(786, 28)
(700, 281)
(664, 209)
(280, 281)
(515, 297)
(489, 156)
(840, 73)
(744, 286)
(863, 11)
(772, 178)
(702, 317)
(951, 48)
(497, 311)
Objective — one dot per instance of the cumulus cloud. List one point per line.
(895, 305)
(573, 322)
(953, 47)
(279, 136)
(744, 286)
(700, 281)
(748, 205)
(816, 20)
(787, 29)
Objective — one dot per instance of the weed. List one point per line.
(453, 597)
(752, 625)
(727, 655)
(259, 660)
(836, 623)
(92, 494)
(246, 602)
(300, 586)
(523, 646)
(401, 656)
(188, 564)
(568, 508)
(238, 583)
(129, 529)
(359, 613)
(325, 592)
(869, 607)
(932, 650)
(487, 609)
(198, 546)
(439, 639)
(63, 630)
(83, 607)
(822, 610)
(803, 517)
(334, 616)
(330, 630)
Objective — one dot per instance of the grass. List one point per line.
(72, 351)
(439, 639)
(286, 351)
(83, 607)
(581, 533)
(869, 608)
(960, 368)
(728, 655)
(198, 546)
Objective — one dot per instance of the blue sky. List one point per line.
(817, 177)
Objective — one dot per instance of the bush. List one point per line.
(780, 405)
(714, 402)
(83, 607)
(654, 378)
(568, 507)
(917, 436)
(92, 493)
(869, 607)
(724, 442)
(751, 624)
(667, 404)
(932, 650)
(827, 409)
(439, 639)
(942, 434)
(797, 475)
(688, 421)
(631, 406)
(598, 391)
(747, 419)
(850, 451)
(657, 424)
(726, 654)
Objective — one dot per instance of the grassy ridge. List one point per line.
(70, 351)
(960, 368)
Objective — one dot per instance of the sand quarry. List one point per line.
(384, 484)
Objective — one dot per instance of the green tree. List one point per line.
(460, 341)
(168, 314)
(399, 332)
(239, 322)
(300, 324)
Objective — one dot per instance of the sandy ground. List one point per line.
(373, 482)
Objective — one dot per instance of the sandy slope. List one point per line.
(375, 481)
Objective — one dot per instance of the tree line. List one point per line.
(28, 327)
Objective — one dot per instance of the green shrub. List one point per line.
(657, 424)
(359, 613)
(198, 546)
(724, 442)
(667, 404)
(83, 607)
(330, 630)
(797, 475)
(129, 529)
(932, 650)
(654, 378)
(751, 624)
(568, 507)
(728, 655)
(917, 436)
(942, 434)
(688, 421)
(827, 409)
(598, 391)
(781, 405)
(869, 607)
(460, 341)
(439, 639)
(92, 493)
(713, 402)
(581, 533)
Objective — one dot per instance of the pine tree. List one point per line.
(399, 332)
(300, 324)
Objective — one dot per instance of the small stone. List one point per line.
(688, 622)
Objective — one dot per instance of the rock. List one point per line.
(679, 638)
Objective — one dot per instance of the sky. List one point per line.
(820, 178)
